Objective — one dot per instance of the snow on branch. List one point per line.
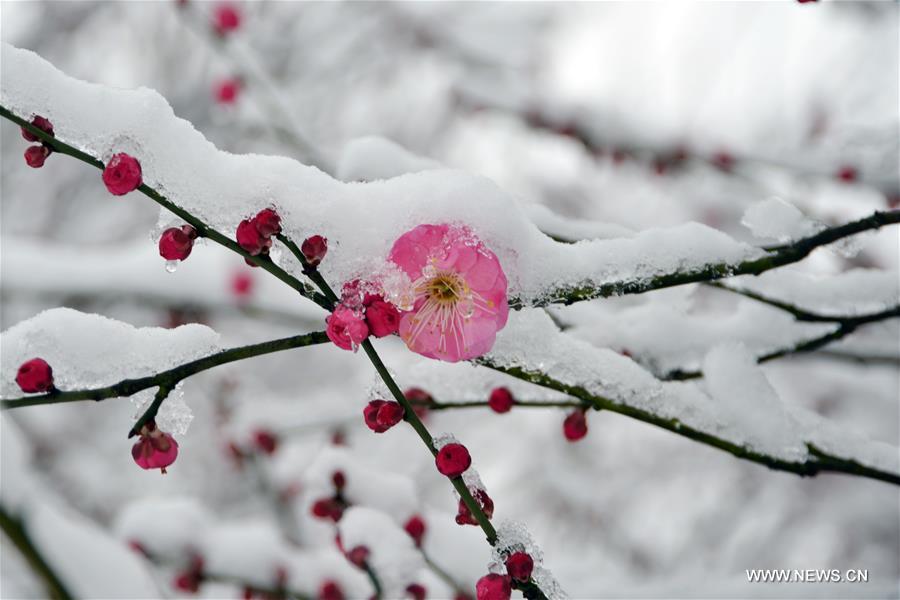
(123, 361)
(532, 349)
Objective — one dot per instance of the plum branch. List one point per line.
(775, 256)
(818, 462)
(203, 230)
(846, 324)
(16, 533)
(167, 380)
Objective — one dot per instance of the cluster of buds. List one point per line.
(360, 314)
(36, 155)
(381, 415)
(255, 235)
(333, 507)
(495, 586)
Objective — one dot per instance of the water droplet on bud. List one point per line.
(171, 265)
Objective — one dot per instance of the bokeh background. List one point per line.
(636, 115)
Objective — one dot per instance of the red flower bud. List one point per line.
(416, 591)
(381, 415)
(383, 318)
(265, 441)
(328, 508)
(330, 591)
(501, 400)
(35, 376)
(575, 425)
(226, 91)
(176, 243)
(249, 238)
(267, 222)
(493, 587)
(358, 556)
(314, 249)
(41, 123)
(519, 566)
(122, 174)
(36, 155)
(452, 460)
(847, 174)
(415, 527)
(226, 19)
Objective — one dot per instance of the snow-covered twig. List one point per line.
(168, 379)
(846, 325)
(776, 256)
(817, 462)
(203, 230)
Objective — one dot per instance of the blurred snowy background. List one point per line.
(629, 116)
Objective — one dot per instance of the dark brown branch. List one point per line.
(168, 379)
(775, 257)
(817, 462)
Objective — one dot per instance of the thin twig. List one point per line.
(203, 230)
(818, 461)
(775, 257)
(170, 378)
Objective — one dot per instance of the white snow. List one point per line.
(361, 220)
(531, 341)
(778, 219)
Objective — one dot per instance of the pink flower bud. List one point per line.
(176, 243)
(575, 425)
(267, 222)
(122, 174)
(35, 376)
(493, 587)
(501, 400)
(519, 566)
(346, 328)
(314, 249)
(339, 480)
(415, 527)
(249, 238)
(452, 460)
(226, 91)
(226, 19)
(383, 318)
(155, 449)
(36, 155)
(41, 123)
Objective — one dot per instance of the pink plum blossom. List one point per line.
(459, 291)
